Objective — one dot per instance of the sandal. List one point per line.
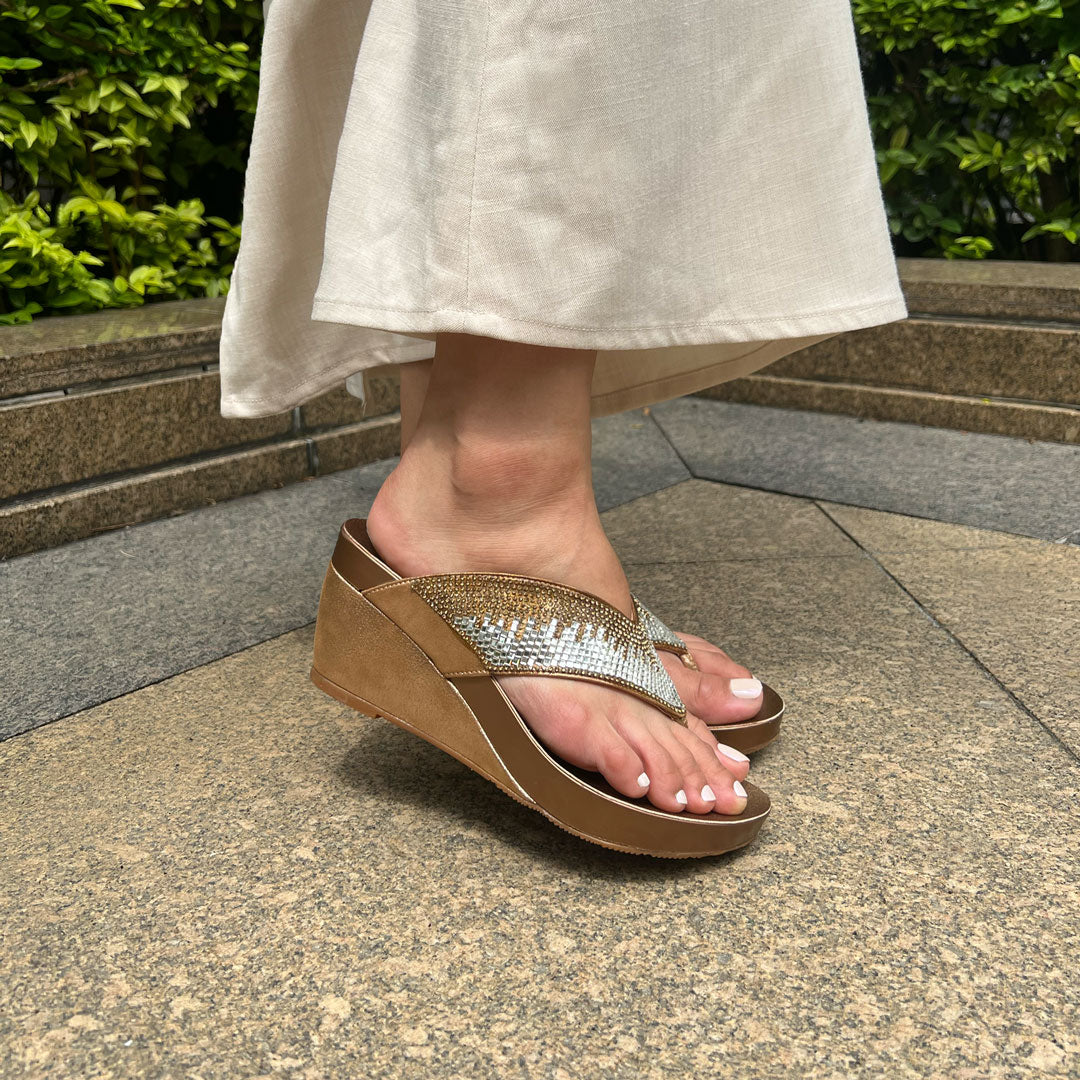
(745, 736)
(422, 652)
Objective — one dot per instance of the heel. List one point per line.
(363, 659)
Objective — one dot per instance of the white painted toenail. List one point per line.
(739, 789)
(730, 752)
(680, 797)
(747, 688)
(707, 794)
(643, 780)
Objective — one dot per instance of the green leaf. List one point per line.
(70, 298)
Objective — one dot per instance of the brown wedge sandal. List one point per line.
(422, 652)
(745, 736)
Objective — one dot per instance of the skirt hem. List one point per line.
(616, 338)
(769, 335)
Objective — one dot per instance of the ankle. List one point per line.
(486, 505)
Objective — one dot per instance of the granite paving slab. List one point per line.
(702, 521)
(97, 618)
(1013, 602)
(228, 874)
(988, 481)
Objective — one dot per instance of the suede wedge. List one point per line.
(746, 736)
(423, 653)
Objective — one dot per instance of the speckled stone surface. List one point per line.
(100, 617)
(1014, 602)
(631, 457)
(68, 350)
(987, 481)
(962, 356)
(228, 874)
(702, 522)
(73, 437)
(367, 441)
(97, 618)
(340, 407)
(33, 524)
(998, 288)
(992, 416)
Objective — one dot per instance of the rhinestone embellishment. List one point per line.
(519, 624)
(656, 630)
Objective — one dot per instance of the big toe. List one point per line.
(717, 699)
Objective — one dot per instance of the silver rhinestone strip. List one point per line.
(522, 625)
(656, 630)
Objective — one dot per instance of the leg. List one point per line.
(720, 691)
(497, 477)
(414, 383)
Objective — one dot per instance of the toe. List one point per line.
(690, 757)
(615, 759)
(727, 798)
(665, 774)
(715, 698)
(734, 761)
(709, 657)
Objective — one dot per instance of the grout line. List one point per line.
(674, 449)
(154, 682)
(957, 641)
(1068, 539)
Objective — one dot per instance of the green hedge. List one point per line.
(975, 106)
(124, 128)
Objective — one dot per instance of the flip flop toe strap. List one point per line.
(662, 636)
(526, 626)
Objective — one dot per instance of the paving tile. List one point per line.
(229, 874)
(97, 618)
(987, 481)
(1014, 602)
(699, 520)
(631, 457)
(102, 616)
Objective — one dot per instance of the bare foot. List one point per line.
(502, 515)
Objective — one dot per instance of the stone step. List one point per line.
(42, 520)
(992, 416)
(949, 355)
(113, 418)
(992, 289)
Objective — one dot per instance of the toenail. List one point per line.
(680, 797)
(730, 752)
(739, 789)
(747, 688)
(643, 780)
(707, 794)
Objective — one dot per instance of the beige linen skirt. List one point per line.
(688, 187)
